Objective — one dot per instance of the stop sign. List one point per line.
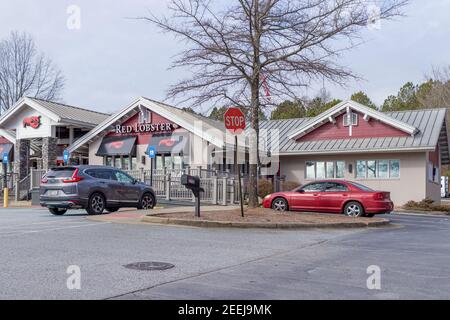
(234, 120)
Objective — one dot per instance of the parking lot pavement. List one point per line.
(37, 248)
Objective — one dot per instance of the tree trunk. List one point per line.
(253, 179)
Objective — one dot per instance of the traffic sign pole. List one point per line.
(151, 151)
(234, 120)
(5, 181)
(239, 176)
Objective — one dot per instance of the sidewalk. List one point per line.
(18, 204)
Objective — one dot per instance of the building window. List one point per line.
(340, 168)
(62, 132)
(330, 170)
(324, 169)
(118, 162)
(351, 116)
(145, 116)
(320, 170)
(310, 170)
(377, 169)
(109, 161)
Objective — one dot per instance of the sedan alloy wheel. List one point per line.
(354, 209)
(280, 204)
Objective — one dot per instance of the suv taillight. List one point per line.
(75, 177)
(44, 180)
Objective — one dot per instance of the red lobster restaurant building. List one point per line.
(399, 152)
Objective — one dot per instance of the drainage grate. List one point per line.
(149, 266)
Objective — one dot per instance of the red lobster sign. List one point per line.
(33, 122)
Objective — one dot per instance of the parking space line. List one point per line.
(16, 233)
(43, 223)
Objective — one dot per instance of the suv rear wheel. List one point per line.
(57, 211)
(96, 204)
(147, 202)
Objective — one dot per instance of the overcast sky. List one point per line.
(112, 59)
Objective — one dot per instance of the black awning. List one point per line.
(5, 148)
(117, 146)
(175, 143)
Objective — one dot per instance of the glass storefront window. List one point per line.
(310, 170)
(126, 163)
(168, 162)
(117, 162)
(361, 169)
(133, 163)
(177, 162)
(340, 168)
(108, 162)
(377, 169)
(394, 168)
(383, 169)
(320, 170)
(330, 170)
(371, 169)
(159, 163)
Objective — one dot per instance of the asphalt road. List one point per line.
(37, 248)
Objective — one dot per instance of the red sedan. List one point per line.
(334, 196)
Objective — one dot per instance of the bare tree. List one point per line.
(25, 72)
(436, 92)
(236, 48)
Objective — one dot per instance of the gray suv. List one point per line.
(94, 188)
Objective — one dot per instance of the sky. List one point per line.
(113, 59)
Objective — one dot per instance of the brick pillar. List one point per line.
(49, 153)
(21, 156)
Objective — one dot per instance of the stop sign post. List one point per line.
(234, 120)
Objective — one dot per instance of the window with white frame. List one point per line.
(324, 170)
(353, 117)
(377, 169)
(145, 116)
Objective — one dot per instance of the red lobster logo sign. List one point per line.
(33, 122)
(168, 142)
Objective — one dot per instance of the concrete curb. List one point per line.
(248, 225)
(436, 214)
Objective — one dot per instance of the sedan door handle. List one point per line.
(315, 194)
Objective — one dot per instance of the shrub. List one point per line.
(265, 187)
(289, 185)
(426, 204)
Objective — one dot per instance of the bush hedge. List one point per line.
(426, 204)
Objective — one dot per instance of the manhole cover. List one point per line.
(149, 266)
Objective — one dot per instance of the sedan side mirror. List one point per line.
(301, 191)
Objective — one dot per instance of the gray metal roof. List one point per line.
(71, 113)
(430, 122)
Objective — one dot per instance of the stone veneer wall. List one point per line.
(49, 153)
(21, 154)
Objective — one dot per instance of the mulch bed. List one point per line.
(262, 215)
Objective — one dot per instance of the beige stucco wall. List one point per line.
(412, 184)
(93, 147)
